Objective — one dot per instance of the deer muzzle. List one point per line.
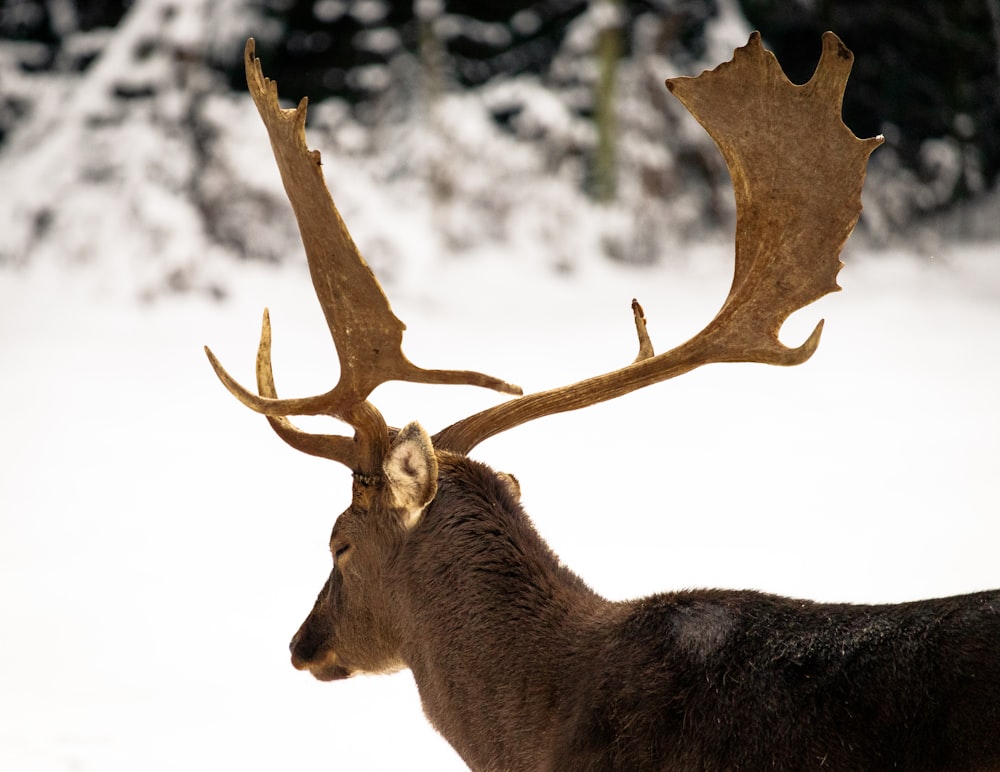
(325, 667)
(309, 653)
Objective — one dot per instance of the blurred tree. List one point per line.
(345, 48)
(38, 31)
(927, 76)
(609, 52)
(49, 22)
(328, 48)
(505, 37)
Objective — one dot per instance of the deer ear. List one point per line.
(411, 471)
(511, 483)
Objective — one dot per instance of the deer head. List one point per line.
(352, 627)
(797, 171)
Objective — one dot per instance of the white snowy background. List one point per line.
(159, 545)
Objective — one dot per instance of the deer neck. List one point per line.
(493, 624)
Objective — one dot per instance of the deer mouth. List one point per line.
(324, 668)
(329, 673)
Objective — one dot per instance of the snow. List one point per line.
(158, 546)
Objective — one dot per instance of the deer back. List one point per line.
(723, 680)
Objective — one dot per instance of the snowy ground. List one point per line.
(159, 546)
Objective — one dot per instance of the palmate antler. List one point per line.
(797, 171)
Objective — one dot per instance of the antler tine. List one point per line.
(645, 344)
(367, 335)
(797, 172)
(329, 446)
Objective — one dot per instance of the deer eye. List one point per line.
(340, 550)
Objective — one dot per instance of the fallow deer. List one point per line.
(519, 664)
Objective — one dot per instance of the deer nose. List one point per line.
(298, 662)
(302, 654)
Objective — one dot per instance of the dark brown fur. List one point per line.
(521, 666)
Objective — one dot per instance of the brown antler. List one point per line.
(797, 171)
(368, 336)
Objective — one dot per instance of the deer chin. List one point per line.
(326, 671)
